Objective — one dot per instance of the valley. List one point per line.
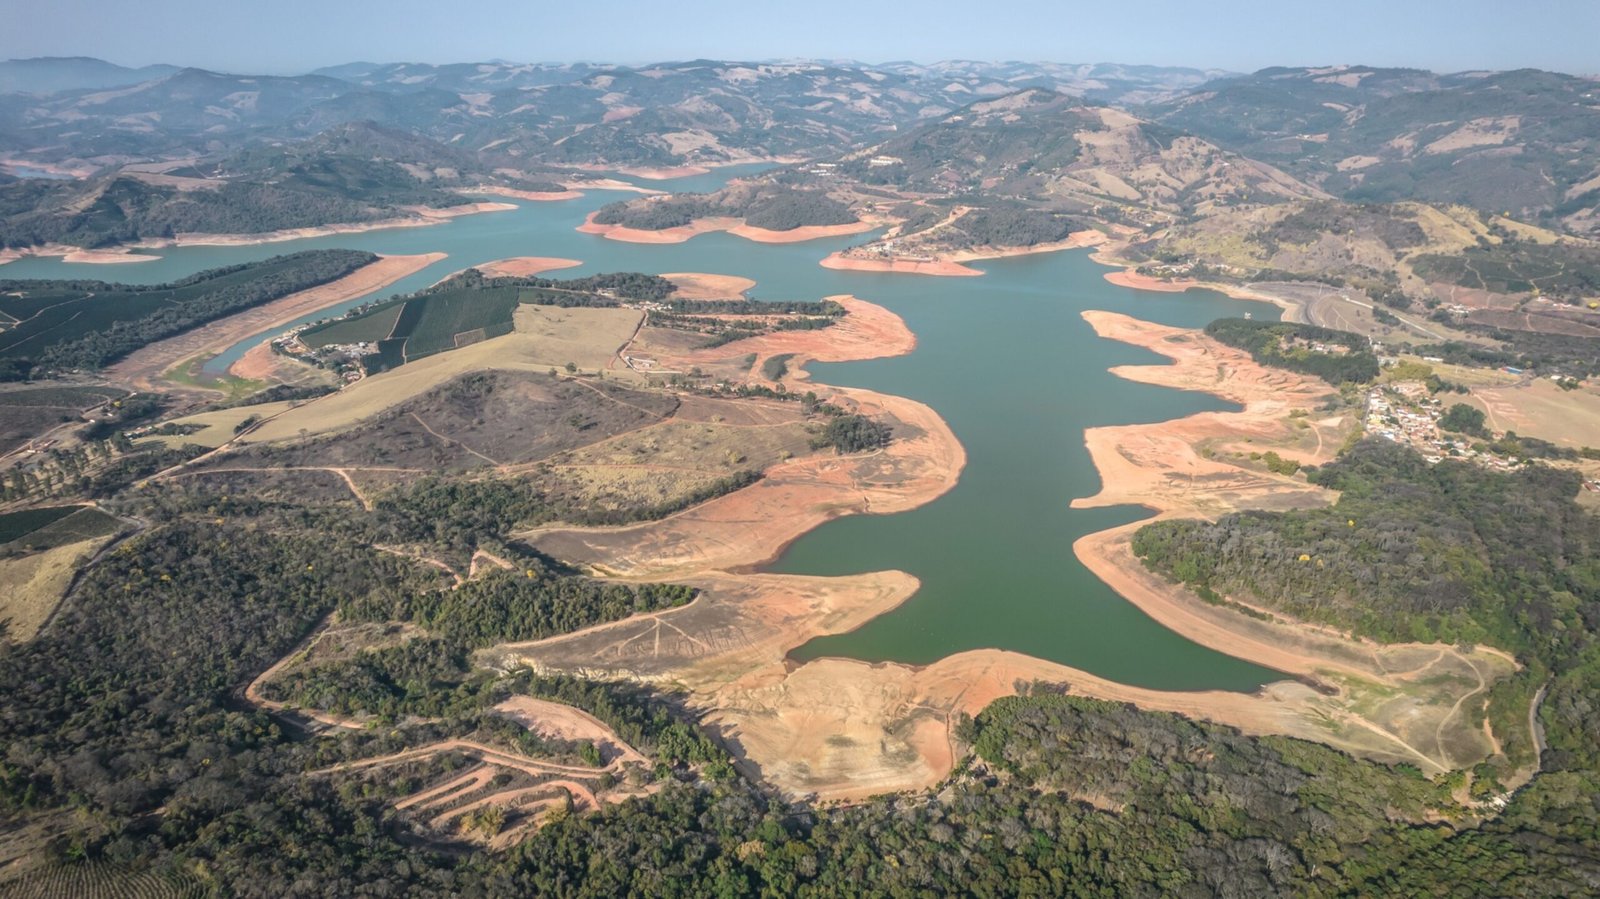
(650, 501)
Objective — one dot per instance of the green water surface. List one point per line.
(1005, 359)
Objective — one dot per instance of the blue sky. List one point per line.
(1243, 35)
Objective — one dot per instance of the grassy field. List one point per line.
(657, 465)
(369, 328)
(546, 337)
(218, 425)
(1539, 408)
(474, 420)
(31, 586)
(40, 550)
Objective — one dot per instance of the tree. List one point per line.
(1464, 419)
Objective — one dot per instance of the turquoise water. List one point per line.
(1005, 359)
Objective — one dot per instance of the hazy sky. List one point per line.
(1243, 35)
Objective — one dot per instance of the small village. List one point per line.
(1406, 412)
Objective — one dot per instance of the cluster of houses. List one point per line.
(1406, 412)
(648, 306)
(344, 358)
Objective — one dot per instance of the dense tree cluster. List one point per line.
(1010, 226)
(854, 434)
(1449, 552)
(1568, 354)
(157, 637)
(1287, 345)
(1464, 419)
(1068, 796)
(88, 324)
(510, 606)
(460, 513)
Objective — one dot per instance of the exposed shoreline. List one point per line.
(730, 224)
(531, 195)
(125, 253)
(1128, 277)
(842, 729)
(526, 266)
(669, 173)
(145, 365)
(952, 265)
(703, 286)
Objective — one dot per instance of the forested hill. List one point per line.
(1050, 150)
(262, 190)
(88, 324)
(759, 204)
(1524, 142)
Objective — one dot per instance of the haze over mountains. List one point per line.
(1135, 144)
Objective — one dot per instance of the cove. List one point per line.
(1004, 358)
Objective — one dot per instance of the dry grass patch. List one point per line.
(545, 337)
(218, 425)
(1541, 409)
(33, 585)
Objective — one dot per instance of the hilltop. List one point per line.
(1524, 143)
(354, 173)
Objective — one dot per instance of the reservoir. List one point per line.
(1005, 359)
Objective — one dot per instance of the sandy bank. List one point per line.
(118, 256)
(734, 226)
(1136, 281)
(845, 263)
(702, 286)
(800, 234)
(146, 364)
(1161, 466)
(952, 264)
(662, 173)
(533, 195)
(526, 266)
(843, 729)
(750, 526)
(1131, 279)
(665, 235)
(583, 184)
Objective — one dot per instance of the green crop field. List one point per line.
(369, 327)
(444, 315)
(423, 325)
(84, 524)
(16, 525)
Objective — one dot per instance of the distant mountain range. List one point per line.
(1525, 143)
(699, 111)
(1142, 145)
(1045, 146)
(49, 74)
